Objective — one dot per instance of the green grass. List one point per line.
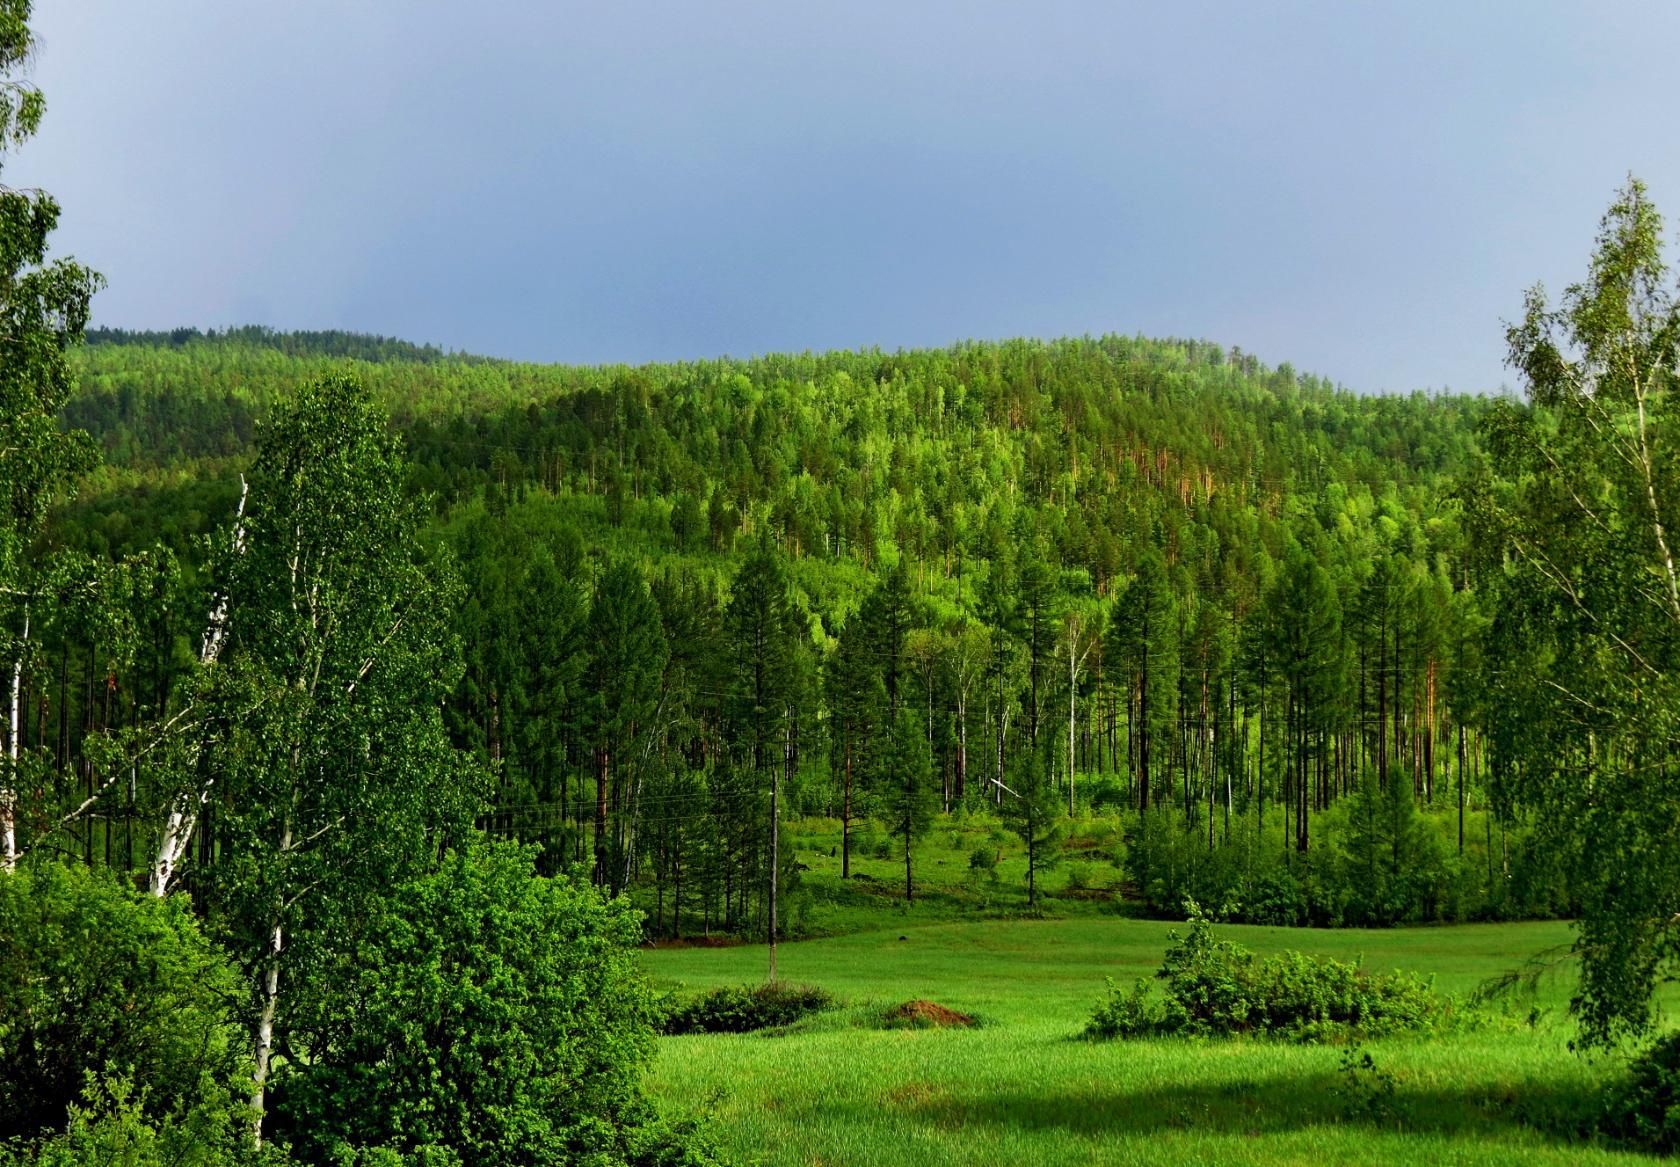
(947, 888)
(1022, 1089)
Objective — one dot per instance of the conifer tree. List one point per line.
(908, 801)
(1034, 813)
(627, 654)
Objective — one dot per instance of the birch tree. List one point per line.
(1082, 631)
(1585, 705)
(43, 312)
(330, 753)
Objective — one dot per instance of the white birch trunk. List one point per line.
(14, 753)
(270, 1006)
(1072, 692)
(182, 820)
(265, 1032)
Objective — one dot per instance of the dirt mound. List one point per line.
(928, 1013)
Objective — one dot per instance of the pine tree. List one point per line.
(1033, 811)
(908, 800)
(1143, 644)
(627, 654)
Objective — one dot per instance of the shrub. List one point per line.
(1367, 1090)
(745, 1008)
(1130, 1014)
(96, 979)
(1218, 988)
(111, 1126)
(983, 858)
(492, 1017)
(1645, 1109)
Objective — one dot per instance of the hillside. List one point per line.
(1009, 492)
(1118, 441)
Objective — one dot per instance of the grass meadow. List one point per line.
(1023, 1088)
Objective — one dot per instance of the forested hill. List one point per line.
(1191, 578)
(1106, 444)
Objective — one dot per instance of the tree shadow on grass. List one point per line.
(1264, 1106)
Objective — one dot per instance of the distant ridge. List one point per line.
(356, 346)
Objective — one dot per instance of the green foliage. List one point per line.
(334, 775)
(44, 308)
(746, 1008)
(1584, 655)
(1219, 988)
(488, 1013)
(908, 799)
(933, 520)
(97, 981)
(1034, 814)
(1143, 640)
(1378, 861)
(1644, 1109)
(112, 1125)
(762, 630)
(622, 685)
(1368, 1090)
(1394, 869)
(1130, 1014)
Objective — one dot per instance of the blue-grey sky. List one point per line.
(1362, 189)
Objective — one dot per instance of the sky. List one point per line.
(1361, 189)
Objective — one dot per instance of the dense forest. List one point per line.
(1154, 578)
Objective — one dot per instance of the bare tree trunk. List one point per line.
(846, 817)
(1072, 691)
(601, 765)
(1461, 788)
(775, 852)
(962, 745)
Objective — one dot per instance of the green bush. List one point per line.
(111, 1126)
(1131, 1014)
(492, 1016)
(1367, 1090)
(97, 979)
(1218, 988)
(1645, 1109)
(745, 1008)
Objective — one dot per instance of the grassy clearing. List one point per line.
(1020, 1089)
(1087, 881)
